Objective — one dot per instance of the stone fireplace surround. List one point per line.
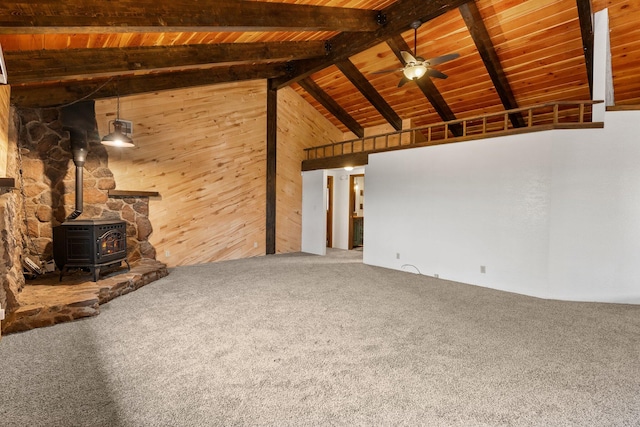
(44, 196)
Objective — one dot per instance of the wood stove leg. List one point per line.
(126, 261)
(96, 274)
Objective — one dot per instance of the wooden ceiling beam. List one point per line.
(368, 91)
(335, 162)
(585, 15)
(47, 65)
(332, 106)
(98, 16)
(395, 19)
(47, 95)
(426, 85)
(482, 40)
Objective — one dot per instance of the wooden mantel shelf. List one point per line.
(133, 193)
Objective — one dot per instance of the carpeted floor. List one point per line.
(301, 340)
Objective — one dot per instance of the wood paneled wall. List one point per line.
(300, 126)
(204, 150)
(5, 92)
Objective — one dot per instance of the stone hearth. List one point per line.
(46, 300)
(41, 197)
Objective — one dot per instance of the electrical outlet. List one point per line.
(483, 269)
(397, 255)
(167, 254)
(255, 244)
(436, 275)
(1, 313)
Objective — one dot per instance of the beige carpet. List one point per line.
(301, 340)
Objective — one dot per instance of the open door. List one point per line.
(314, 212)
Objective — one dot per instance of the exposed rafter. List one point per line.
(71, 16)
(55, 94)
(398, 44)
(369, 92)
(332, 106)
(536, 44)
(585, 15)
(481, 38)
(45, 65)
(398, 17)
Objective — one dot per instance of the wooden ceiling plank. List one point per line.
(426, 85)
(332, 106)
(368, 91)
(397, 17)
(482, 40)
(47, 65)
(585, 15)
(36, 96)
(73, 17)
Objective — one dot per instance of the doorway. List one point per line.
(356, 211)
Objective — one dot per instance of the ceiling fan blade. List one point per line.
(403, 80)
(408, 58)
(386, 71)
(435, 73)
(440, 59)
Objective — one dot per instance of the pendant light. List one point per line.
(117, 138)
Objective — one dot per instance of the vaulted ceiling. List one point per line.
(513, 53)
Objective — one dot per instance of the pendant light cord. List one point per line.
(88, 95)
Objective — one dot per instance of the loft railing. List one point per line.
(555, 115)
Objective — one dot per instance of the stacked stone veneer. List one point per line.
(11, 232)
(11, 278)
(48, 184)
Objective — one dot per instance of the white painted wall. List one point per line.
(595, 213)
(450, 209)
(552, 214)
(602, 73)
(314, 214)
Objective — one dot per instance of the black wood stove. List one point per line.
(88, 243)
(91, 244)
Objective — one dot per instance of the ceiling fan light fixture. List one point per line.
(414, 72)
(415, 67)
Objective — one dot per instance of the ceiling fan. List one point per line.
(415, 66)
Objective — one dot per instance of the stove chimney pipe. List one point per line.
(79, 119)
(79, 149)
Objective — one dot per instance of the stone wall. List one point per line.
(135, 211)
(11, 278)
(49, 175)
(11, 229)
(39, 158)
